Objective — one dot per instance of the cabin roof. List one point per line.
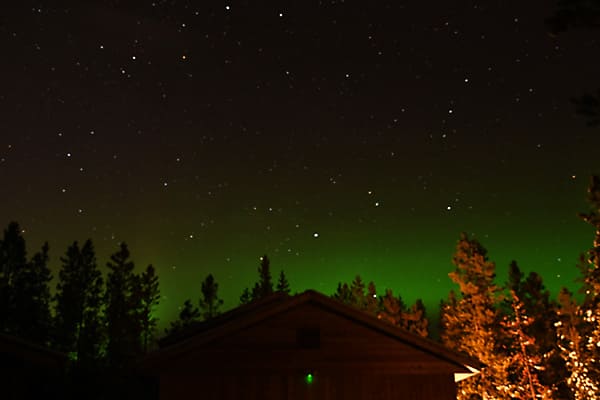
(252, 313)
(31, 353)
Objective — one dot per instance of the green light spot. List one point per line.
(309, 378)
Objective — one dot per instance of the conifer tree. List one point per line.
(32, 299)
(475, 315)
(416, 319)
(123, 325)
(187, 316)
(394, 311)
(210, 301)
(392, 308)
(264, 286)
(579, 326)
(535, 299)
(282, 283)
(12, 261)
(525, 363)
(245, 297)
(573, 347)
(78, 304)
(343, 294)
(148, 293)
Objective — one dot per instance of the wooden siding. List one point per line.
(264, 361)
(293, 387)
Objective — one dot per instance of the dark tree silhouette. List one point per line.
(246, 296)
(123, 326)
(24, 291)
(78, 304)
(12, 261)
(148, 292)
(32, 299)
(187, 316)
(264, 286)
(575, 14)
(210, 301)
(282, 283)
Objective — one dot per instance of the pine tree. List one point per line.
(210, 302)
(264, 286)
(525, 362)
(187, 316)
(78, 304)
(12, 261)
(394, 311)
(123, 326)
(572, 344)
(536, 301)
(416, 319)
(32, 299)
(282, 283)
(343, 294)
(474, 314)
(148, 292)
(392, 308)
(578, 327)
(245, 297)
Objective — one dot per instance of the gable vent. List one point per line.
(308, 338)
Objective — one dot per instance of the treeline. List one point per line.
(530, 344)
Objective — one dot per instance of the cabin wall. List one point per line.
(266, 361)
(293, 387)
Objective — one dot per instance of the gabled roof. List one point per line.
(247, 315)
(31, 353)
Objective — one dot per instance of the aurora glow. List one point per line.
(338, 138)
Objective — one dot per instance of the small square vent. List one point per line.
(308, 338)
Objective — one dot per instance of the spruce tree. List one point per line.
(210, 301)
(264, 286)
(12, 262)
(581, 325)
(148, 293)
(476, 317)
(282, 283)
(245, 297)
(78, 305)
(536, 301)
(525, 361)
(187, 316)
(32, 299)
(123, 326)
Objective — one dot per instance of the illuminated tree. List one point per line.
(78, 304)
(525, 364)
(579, 326)
(573, 347)
(475, 315)
(535, 300)
(210, 302)
(358, 295)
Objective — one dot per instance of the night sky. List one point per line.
(338, 137)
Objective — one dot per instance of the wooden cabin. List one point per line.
(307, 346)
(29, 371)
